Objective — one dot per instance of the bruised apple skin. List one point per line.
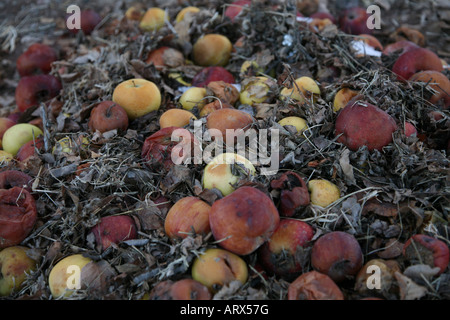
(18, 215)
(15, 178)
(188, 215)
(184, 289)
(217, 267)
(113, 230)
(293, 191)
(106, 116)
(243, 220)
(314, 285)
(338, 255)
(416, 60)
(37, 58)
(281, 254)
(34, 89)
(364, 124)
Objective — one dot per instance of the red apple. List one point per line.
(210, 74)
(18, 215)
(235, 8)
(15, 178)
(31, 90)
(108, 115)
(38, 57)
(410, 129)
(282, 253)
(243, 220)
(415, 60)
(354, 21)
(363, 124)
(114, 229)
(29, 149)
(89, 20)
(5, 124)
(399, 47)
(323, 15)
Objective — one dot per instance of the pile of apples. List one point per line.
(246, 218)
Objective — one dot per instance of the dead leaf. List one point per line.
(409, 290)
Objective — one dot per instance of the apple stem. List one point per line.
(108, 111)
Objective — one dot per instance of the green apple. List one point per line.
(15, 264)
(18, 135)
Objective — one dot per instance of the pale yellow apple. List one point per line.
(19, 134)
(66, 274)
(15, 265)
(299, 123)
(255, 90)
(138, 97)
(303, 89)
(323, 192)
(193, 97)
(218, 174)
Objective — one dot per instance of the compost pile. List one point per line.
(386, 195)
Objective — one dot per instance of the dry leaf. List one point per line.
(409, 290)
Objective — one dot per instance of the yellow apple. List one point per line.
(153, 19)
(138, 97)
(323, 192)
(18, 135)
(303, 89)
(299, 123)
(256, 90)
(218, 173)
(15, 264)
(65, 276)
(193, 97)
(184, 11)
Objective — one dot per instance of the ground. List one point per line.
(387, 196)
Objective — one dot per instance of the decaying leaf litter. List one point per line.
(387, 196)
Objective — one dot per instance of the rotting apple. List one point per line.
(234, 9)
(70, 144)
(427, 250)
(385, 269)
(5, 124)
(34, 89)
(188, 216)
(175, 118)
(284, 254)
(193, 97)
(363, 124)
(414, 61)
(298, 123)
(212, 50)
(134, 13)
(113, 230)
(230, 123)
(153, 19)
(354, 21)
(37, 58)
(303, 89)
(183, 289)
(293, 191)
(399, 47)
(224, 91)
(213, 106)
(165, 56)
(314, 285)
(243, 220)
(190, 10)
(18, 215)
(66, 275)
(323, 192)
(15, 265)
(257, 90)
(19, 134)
(439, 84)
(409, 129)
(159, 148)
(106, 116)
(343, 97)
(226, 171)
(210, 74)
(338, 255)
(15, 178)
(216, 268)
(89, 19)
(5, 157)
(137, 96)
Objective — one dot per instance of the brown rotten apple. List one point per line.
(108, 115)
(293, 193)
(184, 289)
(38, 57)
(363, 124)
(337, 254)
(31, 90)
(17, 215)
(314, 285)
(242, 221)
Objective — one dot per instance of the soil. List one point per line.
(386, 196)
